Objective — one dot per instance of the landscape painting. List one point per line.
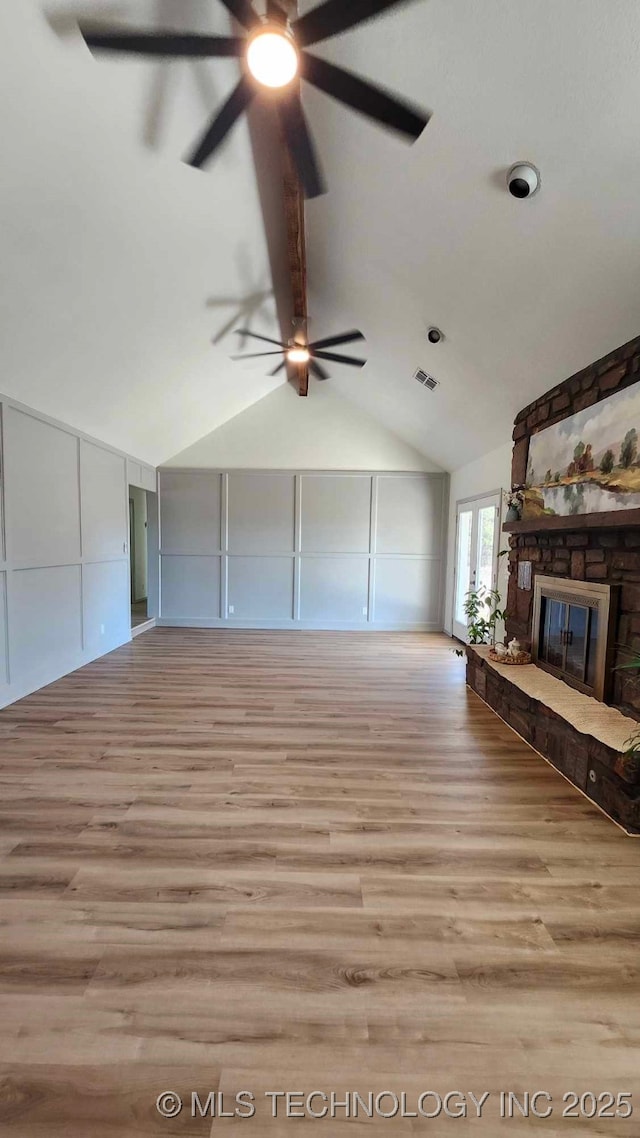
(588, 463)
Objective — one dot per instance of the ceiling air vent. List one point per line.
(425, 379)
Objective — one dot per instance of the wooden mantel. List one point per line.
(612, 519)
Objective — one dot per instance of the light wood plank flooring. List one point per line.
(300, 861)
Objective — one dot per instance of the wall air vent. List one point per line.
(425, 379)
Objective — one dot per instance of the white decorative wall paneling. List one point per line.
(302, 549)
(64, 555)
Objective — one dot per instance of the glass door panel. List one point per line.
(463, 566)
(553, 629)
(590, 673)
(576, 641)
(486, 547)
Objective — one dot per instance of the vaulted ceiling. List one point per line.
(120, 264)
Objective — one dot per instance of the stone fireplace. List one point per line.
(574, 600)
(595, 556)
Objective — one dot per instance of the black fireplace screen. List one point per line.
(573, 631)
(568, 638)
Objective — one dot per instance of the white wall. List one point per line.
(323, 431)
(302, 549)
(64, 560)
(491, 472)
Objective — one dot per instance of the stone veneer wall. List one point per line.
(608, 555)
(611, 557)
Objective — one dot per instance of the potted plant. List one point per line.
(483, 610)
(628, 765)
(514, 499)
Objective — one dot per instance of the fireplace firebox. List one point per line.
(573, 630)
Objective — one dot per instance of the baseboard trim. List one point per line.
(148, 624)
(298, 625)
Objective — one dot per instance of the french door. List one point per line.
(476, 564)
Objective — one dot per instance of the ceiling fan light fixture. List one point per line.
(272, 56)
(298, 354)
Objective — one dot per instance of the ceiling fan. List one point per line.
(274, 52)
(300, 352)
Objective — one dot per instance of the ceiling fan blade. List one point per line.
(363, 96)
(267, 340)
(336, 16)
(237, 102)
(278, 368)
(256, 355)
(243, 12)
(171, 44)
(345, 338)
(338, 359)
(300, 144)
(315, 369)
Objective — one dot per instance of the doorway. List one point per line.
(476, 559)
(139, 559)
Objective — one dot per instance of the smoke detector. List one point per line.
(523, 180)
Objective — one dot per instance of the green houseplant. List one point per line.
(629, 762)
(483, 610)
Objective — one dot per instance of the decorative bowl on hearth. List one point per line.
(509, 657)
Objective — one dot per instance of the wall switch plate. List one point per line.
(524, 575)
(364, 610)
(102, 629)
(231, 610)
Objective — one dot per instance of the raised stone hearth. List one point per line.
(583, 738)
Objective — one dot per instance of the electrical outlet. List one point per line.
(231, 610)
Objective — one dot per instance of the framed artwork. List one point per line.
(588, 463)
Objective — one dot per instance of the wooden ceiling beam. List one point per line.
(296, 245)
(296, 253)
(282, 204)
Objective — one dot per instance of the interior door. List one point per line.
(132, 549)
(476, 563)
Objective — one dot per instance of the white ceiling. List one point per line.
(111, 247)
(527, 292)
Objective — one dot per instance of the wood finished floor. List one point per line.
(139, 614)
(300, 861)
